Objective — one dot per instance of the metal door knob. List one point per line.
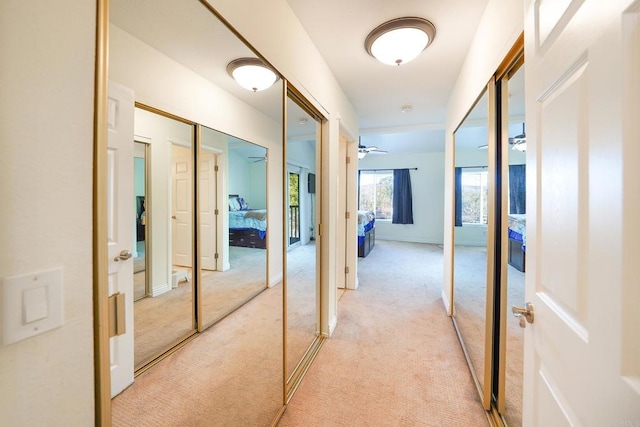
(123, 256)
(524, 313)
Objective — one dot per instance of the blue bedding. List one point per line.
(366, 222)
(255, 219)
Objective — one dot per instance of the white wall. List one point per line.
(145, 70)
(427, 185)
(46, 134)
(499, 28)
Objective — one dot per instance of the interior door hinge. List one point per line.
(116, 315)
(346, 270)
(215, 168)
(216, 212)
(347, 215)
(348, 160)
(215, 256)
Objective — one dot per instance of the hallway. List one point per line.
(394, 358)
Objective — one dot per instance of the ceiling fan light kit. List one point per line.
(252, 73)
(400, 40)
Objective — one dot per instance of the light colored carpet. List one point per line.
(301, 302)
(229, 375)
(161, 321)
(469, 297)
(394, 359)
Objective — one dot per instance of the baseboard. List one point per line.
(161, 289)
(445, 301)
(226, 266)
(409, 240)
(356, 283)
(332, 325)
(274, 280)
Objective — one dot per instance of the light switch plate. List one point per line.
(31, 304)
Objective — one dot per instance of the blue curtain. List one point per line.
(517, 189)
(458, 197)
(402, 200)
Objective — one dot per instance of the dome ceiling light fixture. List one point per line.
(400, 40)
(252, 73)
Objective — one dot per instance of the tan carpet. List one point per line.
(394, 359)
(301, 303)
(230, 375)
(161, 321)
(469, 297)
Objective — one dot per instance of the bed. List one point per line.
(517, 228)
(366, 232)
(247, 227)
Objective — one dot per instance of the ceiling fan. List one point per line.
(518, 142)
(364, 150)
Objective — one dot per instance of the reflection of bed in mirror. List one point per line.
(366, 232)
(517, 240)
(247, 227)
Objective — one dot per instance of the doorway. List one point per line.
(294, 208)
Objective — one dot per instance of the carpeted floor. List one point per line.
(394, 359)
(469, 299)
(161, 321)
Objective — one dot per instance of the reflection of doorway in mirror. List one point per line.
(181, 206)
(208, 207)
(294, 208)
(140, 259)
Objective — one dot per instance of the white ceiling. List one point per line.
(183, 32)
(338, 28)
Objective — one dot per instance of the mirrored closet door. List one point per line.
(472, 254)
(513, 235)
(233, 222)
(208, 140)
(302, 209)
(166, 316)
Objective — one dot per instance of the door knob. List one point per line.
(524, 313)
(123, 256)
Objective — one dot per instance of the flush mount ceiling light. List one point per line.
(406, 108)
(252, 73)
(400, 40)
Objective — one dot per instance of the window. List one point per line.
(474, 196)
(376, 193)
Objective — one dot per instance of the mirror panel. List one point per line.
(173, 56)
(166, 316)
(470, 234)
(140, 258)
(515, 158)
(230, 281)
(302, 208)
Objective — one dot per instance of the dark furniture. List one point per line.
(368, 244)
(247, 238)
(516, 255)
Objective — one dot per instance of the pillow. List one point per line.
(243, 204)
(234, 205)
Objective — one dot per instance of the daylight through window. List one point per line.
(474, 197)
(376, 193)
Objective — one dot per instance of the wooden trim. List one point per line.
(164, 113)
(491, 243)
(513, 57)
(102, 372)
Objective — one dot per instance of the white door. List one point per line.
(208, 208)
(582, 352)
(341, 279)
(181, 203)
(120, 219)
